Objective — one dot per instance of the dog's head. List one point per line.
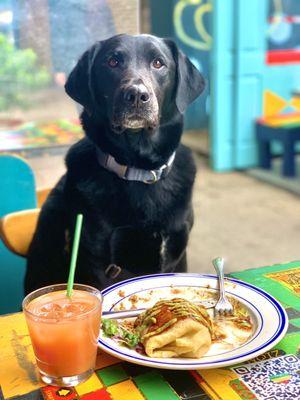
(134, 82)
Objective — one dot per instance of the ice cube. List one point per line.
(50, 310)
(72, 309)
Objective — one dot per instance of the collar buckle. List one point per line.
(152, 179)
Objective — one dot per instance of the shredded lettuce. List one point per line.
(111, 328)
(131, 339)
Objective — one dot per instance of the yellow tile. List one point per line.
(125, 390)
(218, 380)
(92, 384)
(210, 392)
(20, 374)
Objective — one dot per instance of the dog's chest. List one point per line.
(131, 204)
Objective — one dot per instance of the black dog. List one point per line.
(130, 177)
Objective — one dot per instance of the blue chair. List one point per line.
(17, 193)
(288, 135)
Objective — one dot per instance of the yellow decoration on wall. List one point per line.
(205, 40)
(273, 103)
(295, 102)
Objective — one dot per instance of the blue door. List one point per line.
(236, 73)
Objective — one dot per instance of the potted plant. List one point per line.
(20, 75)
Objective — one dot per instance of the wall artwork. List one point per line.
(283, 32)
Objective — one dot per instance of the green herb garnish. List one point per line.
(112, 328)
(131, 339)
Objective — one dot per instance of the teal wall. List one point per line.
(161, 18)
(282, 79)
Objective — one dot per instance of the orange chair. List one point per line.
(17, 228)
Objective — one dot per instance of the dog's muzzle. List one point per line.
(136, 95)
(135, 108)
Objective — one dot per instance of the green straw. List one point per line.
(74, 254)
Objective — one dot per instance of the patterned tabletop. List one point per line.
(274, 375)
(33, 135)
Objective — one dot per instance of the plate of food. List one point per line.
(175, 326)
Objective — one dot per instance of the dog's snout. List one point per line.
(136, 95)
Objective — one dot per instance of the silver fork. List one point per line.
(223, 306)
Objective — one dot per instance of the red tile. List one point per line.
(59, 393)
(100, 394)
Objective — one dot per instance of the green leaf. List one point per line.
(110, 327)
(19, 74)
(131, 339)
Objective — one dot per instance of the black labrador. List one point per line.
(130, 177)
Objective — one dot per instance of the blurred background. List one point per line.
(244, 129)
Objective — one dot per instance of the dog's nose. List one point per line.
(136, 95)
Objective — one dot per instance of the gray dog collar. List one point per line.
(131, 173)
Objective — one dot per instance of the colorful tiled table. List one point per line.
(273, 376)
(41, 135)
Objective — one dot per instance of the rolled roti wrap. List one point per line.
(175, 328)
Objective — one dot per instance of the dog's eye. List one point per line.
(113, 62)
(157, 63)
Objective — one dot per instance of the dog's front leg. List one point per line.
(175, 240)
(48, 256)
(173, 249)
(136, 250)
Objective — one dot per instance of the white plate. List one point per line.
(268, 317)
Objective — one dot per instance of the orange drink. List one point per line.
(64, 332)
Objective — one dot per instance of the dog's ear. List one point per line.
(190, 83)
(79, 83)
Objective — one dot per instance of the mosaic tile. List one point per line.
(126, 391)
(154, 387)
(100, 394)
(59, 393)
(111, 375)
(92, 384)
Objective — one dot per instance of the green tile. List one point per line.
(154, 387)
(295, 322)
(111, 375)
(290, 343)
(261, 277)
